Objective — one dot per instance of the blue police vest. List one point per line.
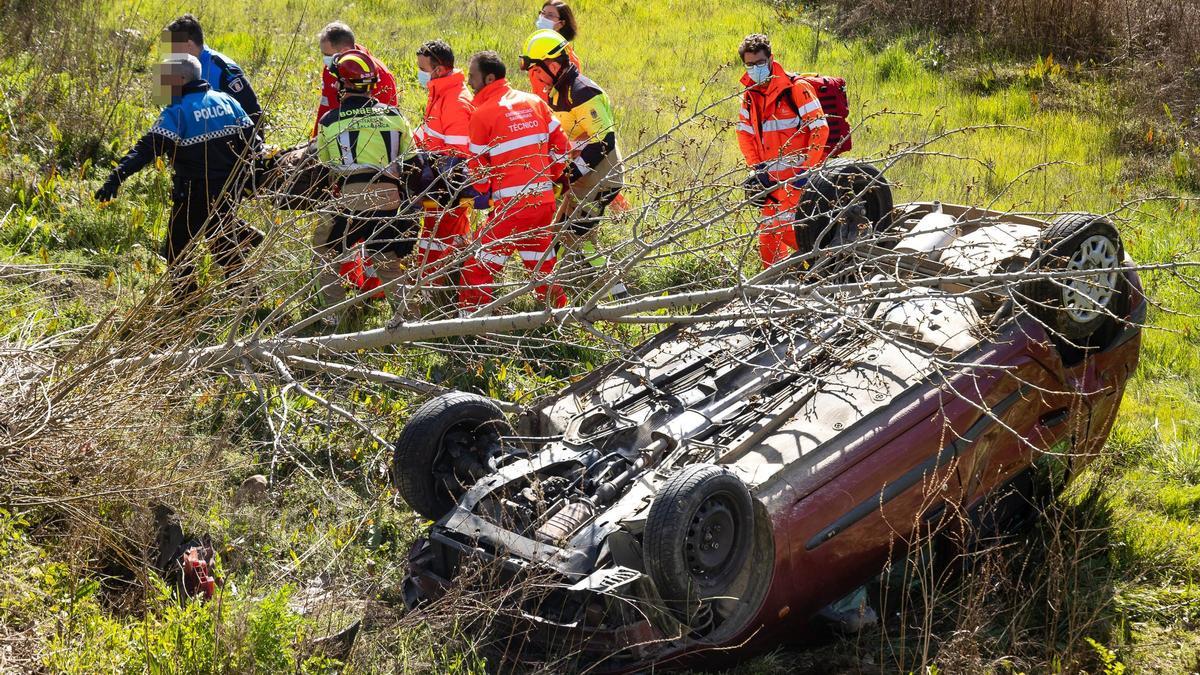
(199, 116)
(217, 71)
(208, 129)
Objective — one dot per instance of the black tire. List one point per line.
(857, 191)
(1077, 241)
(444, 448)
(867, 183)
(701, 504)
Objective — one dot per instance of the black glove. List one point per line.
(453, 173)
(764, 177)
(756, 193)
(107, 192)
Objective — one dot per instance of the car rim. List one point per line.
(462, 443)
(1085, 296)
(710, 539)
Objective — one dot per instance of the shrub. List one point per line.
(1152, 45)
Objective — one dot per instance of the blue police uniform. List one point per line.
(209, 141)
(224, 75)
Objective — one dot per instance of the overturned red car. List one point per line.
(711, 493)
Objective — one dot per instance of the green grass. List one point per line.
(1030, 137)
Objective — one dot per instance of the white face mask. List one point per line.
(759, 73)
(544, 23)
(328, 60)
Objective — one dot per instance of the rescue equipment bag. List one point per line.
(831, 91)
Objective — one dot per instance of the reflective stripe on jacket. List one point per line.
(362, 138)
(781, 125)
(518, 148)
(446, 129)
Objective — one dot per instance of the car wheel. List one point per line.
(866, 183)
(698, 536)
(855, 191)
(444, 448)
(1073, 308)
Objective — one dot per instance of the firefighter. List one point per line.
(781, 132)
(518, 150)
(595, 174)
(185, 36)
(334, 39)
(366, 145)
(445, 134)
(209, 140)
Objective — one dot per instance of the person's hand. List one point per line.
(479, 200)
(756, 193)
(764, 177)
(106, 193)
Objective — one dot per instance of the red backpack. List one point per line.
(831, 91)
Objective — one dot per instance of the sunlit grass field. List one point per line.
(1037, 137)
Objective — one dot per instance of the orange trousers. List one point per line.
(777, 230)
(444, 233)
(525, 228)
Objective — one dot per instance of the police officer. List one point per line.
(209, 140)
(185, 36)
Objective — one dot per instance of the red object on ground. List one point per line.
(198, 580)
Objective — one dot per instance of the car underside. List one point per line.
(720, 484)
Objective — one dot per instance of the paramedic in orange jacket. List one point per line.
(445, 134)
(781, 132)
(518, 151)
(334, 39)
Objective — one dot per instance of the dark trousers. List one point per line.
(386, 237)
(199, 212)
(380, 231)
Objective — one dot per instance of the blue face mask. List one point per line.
(424, 78)
(327, 60)
(544, 23)
(759, 73)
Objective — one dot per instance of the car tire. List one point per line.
(1074, 309)
(857, 190)
(698, 537)
(444, 448)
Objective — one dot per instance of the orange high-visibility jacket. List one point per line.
(446, 128)
(518, 148)
(781, 125)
